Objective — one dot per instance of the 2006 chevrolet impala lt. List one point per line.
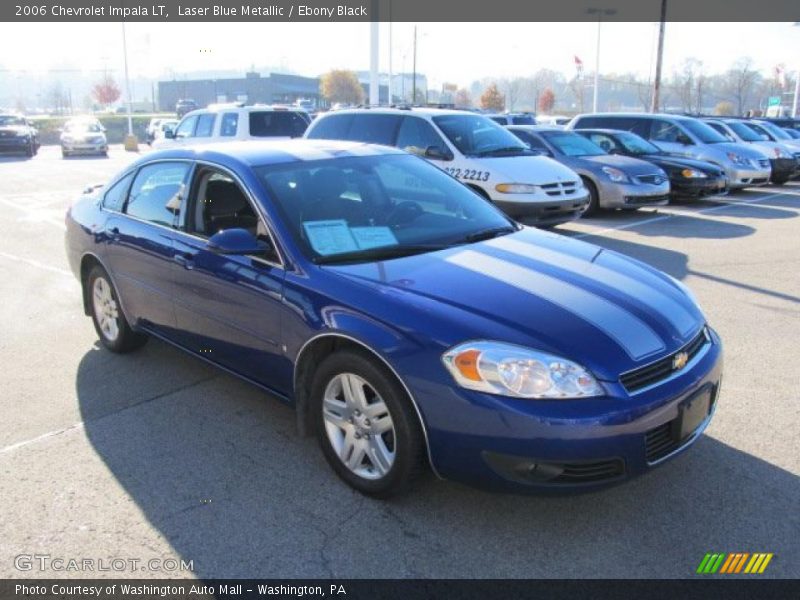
(410, 322)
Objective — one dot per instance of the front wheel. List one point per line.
(594, 197)
(368, 431)
(109, 321)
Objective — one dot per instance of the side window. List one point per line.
(157, 191)
(499, 120)
(186, 127)
(721, 129)
(114, 198)
(229, 123)
(664, 131)
(277, 124)
(205, 125)
(374, 129)
(332, 127)
(535, 142)
(416, 135)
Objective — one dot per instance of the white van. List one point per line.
(473, 149)
(232, 122)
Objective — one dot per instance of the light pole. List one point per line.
(131, 143)
(600, 12)
(796, 85)
(659, 59)
(414, 69)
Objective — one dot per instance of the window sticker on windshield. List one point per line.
(330, 237)
(373, 237)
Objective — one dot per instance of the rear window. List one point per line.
(334, 127)
(523, 120)
(374, 129)
(205, 125)
(277, 124)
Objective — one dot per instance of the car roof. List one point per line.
(388, 110)
(252, 153)
(638, 115)
(540, 128)
(606, 130)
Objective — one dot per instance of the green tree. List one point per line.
(340, 85)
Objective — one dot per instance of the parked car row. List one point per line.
(17, 134)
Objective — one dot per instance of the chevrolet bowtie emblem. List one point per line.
(679, 361)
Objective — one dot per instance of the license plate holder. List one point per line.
(691, 414)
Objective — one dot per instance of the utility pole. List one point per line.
(390, 54)
(599, 12)
(796, 85)
(374, 82)
(659, 59)
(131, 143)
(414, 70)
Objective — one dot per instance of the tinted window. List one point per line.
(636, 145)
(523, 120)
(352, 205)
(277, 124)
(777, 132)
(572, 144)
(476, 135)
(591, 123)
(186, 127)
(720, 128)
(664, 131)
(702, 131)
(114, 198)
(205, 125)
(155, 194)
(228, 126)
(416, 135)
(374, 129)
(532, 140)
(499, 120)
(334, 127)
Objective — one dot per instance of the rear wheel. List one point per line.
(109, 321)
(368, 431)
(594, 197)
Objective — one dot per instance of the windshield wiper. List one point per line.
(382, 253)
(505, 150)
(487, 234)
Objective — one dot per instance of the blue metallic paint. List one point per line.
(256, 318)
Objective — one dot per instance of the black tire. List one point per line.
(127, 340)
(64, 153)
(407, 438)
(779, 181)
(30, 151)
(594, 197)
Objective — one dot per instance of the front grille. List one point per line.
(643, 200)
(663, 368)
(654, 179)
(763, 162)
(560, 188)
(590, 472)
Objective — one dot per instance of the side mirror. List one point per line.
(169, 134)
(437, 153)
(684, 139)
(235, 241)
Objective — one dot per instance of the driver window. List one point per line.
(186, 127)
(664, 131)
(218, 203)
(417, 135)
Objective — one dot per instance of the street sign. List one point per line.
(774, 101)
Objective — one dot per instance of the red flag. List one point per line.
(578, 62)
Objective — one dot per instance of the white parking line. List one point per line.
(35, 214)
(44, 436)
(722, 204)
(35, 263)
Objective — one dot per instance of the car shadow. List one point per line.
(215, 466)
(666, 224)
(11, 158)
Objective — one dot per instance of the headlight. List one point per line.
(509, 370)
(740, 160)
(615, 174)
(516, 188)
(779, 153)
(693, 174)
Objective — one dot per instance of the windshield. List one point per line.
(636, 145)
(476, 135)
(83, 126)
(776, 131)
(744, 132)
(763, 134)
(366, 208)
(703, 132)
(11, 120)
(572, 144)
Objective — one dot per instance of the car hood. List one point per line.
(15, 129)
(627, 164)
(666, 161)
(529, 169)
(608, 312)
(743, 149)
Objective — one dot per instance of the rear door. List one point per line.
(140, 251)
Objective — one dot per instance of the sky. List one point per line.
(446, 52)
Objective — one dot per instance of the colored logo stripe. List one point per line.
(734, 562)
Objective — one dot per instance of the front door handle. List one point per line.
(114, 231)
(185, 259)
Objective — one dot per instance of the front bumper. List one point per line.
(741, 178)
(544, 212)
(84, 148)
(14, 144)
(699, 187)
(632, 195)
(492, 441)
(783, 168)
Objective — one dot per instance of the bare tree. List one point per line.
(740, 81)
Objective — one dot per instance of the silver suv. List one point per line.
(686, 136)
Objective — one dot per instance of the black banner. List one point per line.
(396, 10)
(733, 588)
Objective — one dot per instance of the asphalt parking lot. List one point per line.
(156, 455)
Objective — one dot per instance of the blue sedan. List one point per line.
(411, 324)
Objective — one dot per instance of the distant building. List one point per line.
(274, 88)
(402, 85)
